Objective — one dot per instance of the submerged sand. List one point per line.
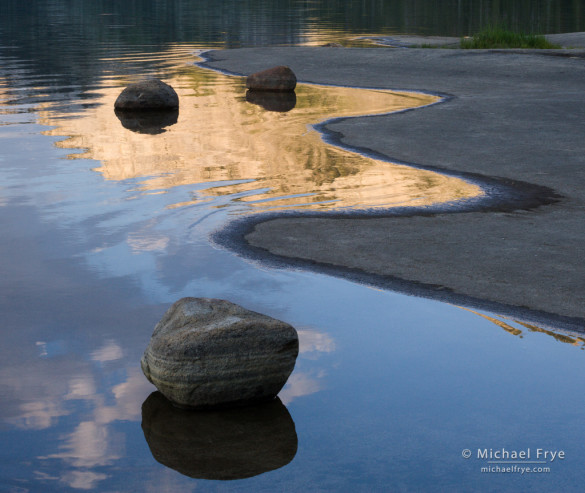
(510, 118)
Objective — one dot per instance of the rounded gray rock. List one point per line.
(150, 94)
(209, 353)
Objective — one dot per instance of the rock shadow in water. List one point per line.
(147, 122)
(228, 444)
(273, 101)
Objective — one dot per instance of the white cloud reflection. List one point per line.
(41, 393)
(82, 480)
(38, 415)
(312, 344)
(91, 444)
(32, 394)
(54, 387)
(82, 387)
(109, 352)
(311, 341)
(300, 384)
(145, 242)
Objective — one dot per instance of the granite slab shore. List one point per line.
(510, 116)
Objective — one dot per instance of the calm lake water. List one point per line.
(106, 221)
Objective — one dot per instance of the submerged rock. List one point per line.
(281, 79)
(221, 445)
(150, 94)
(209, 353)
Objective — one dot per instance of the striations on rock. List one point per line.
(150, 94)
(209, 353)
(281, 79)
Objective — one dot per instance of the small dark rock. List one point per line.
(273, 101)
(332, 45)
(281, 79)
(208, 353)
(221, 445)
(150, 94)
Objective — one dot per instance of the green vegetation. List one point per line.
(499, 37)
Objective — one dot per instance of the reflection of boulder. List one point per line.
(280, 78)
(149, 94)
(208, 353)
(147, 122)
(228, 444)
(272, 101)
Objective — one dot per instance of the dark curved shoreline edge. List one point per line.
(232, 237)
(502, 195)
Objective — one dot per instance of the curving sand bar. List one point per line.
(514, 118)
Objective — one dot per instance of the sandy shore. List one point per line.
(513, 117)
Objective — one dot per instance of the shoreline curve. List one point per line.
(312, 241)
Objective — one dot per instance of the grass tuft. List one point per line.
(499, 37)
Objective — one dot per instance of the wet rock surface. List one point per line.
(279, 79)
(150, 94)
(221, 445)
(209, 353)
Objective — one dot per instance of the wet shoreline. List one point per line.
(332, 243)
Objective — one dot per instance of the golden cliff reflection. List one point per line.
(259, 159)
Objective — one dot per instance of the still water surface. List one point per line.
(239, 153)
(105, 223)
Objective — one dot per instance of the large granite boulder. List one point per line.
(149, 94)
(208, 353)
(281, 79)
(221, 445)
